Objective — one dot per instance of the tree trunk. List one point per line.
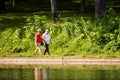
(54, 10)
(82, 6)
(2, 5)
(13, 3)
(100, 6)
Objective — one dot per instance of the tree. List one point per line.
(2, 5)
(54, 10)
(82, 6)
(100, 6)
(13, 3)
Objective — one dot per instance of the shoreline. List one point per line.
(60, 61)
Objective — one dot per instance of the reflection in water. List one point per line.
(38, 72)
(41, 74)
(60, 73)
(45, 73)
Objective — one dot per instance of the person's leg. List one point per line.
(44, 52)
(48, 49)
(45, 49)
(39, 48)
(35, 50)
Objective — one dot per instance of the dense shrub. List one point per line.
(85, 36)
(72, 36)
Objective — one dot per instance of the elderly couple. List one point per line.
(39, 38)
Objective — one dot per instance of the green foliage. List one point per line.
(16, 40)
(80, 35)
(74, 35)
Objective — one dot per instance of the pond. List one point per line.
(59, 72)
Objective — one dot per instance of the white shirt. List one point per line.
(46, 38)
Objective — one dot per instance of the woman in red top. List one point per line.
(38, 41)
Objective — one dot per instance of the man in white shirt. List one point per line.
(47, 40)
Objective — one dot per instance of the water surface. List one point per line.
(59, 72)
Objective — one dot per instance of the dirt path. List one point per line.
(60, 61)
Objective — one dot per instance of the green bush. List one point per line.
(85, 36)
(73, 36)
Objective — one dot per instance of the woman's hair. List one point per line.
(39, 30)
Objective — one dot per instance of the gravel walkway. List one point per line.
(60, 61)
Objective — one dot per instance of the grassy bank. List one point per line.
(74, 35)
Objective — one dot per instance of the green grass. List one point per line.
(53, 55)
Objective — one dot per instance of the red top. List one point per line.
(38, 37)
